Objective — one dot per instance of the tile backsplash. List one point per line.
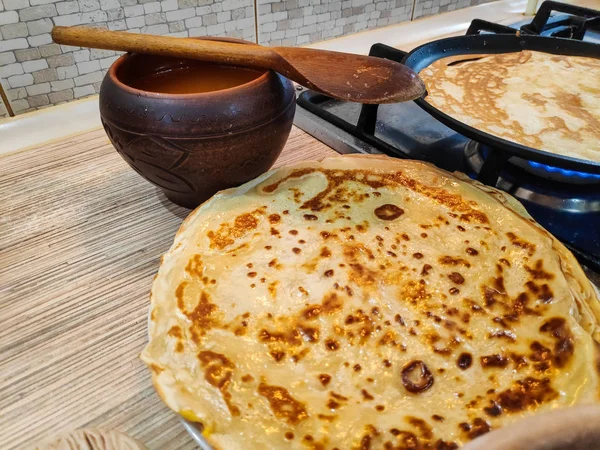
(297, 22)
(36, 73)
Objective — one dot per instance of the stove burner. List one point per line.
(572, 176)
(545, 171)
(543, 191)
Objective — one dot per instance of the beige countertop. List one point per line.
(81, 235)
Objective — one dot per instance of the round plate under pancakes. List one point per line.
(359, 300)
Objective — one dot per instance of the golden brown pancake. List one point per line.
(367, 303)
(544, 101)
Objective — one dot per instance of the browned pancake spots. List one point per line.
(543, 292)
(310, 334)
(357, 251)
(398, 318)
(300, 355)
(456, 278)
(273, 288)
(332, 404)
(277, 356)
(228, 233)
(424, 429)
(289, 435)
(541, 355)
(538, 273)
(418, 255)
(296, 250)
(331, 304)
(194, 267)
(156, 369)
(520, 307)
(454, 291)
(361, 275)
(291, 337)
(388, 212)
(328, 273)
(366, 395)
(247, 378)
(251, 274)
(175, 331)
(524, 394)
(367, 438)
(274, 263)
(325, 252)
(324, 379)
(332, 344)
(379, 408)
(495, 360)
(426, 269)
(388, 338)
(522, 243)
(454, 261)
(274, 218)
(416, 377)
(492, 296)
(471, 251)
(437, 418)
(338, 396)
(415, 292)
(464, 361)
(336, 178)
(357, 367)
(274, 232)
(218, 372)
(536, 98)
(479, 427)
(508, 335)
(202, 317)
(326, 418)
(310, 217)
(283, 405)
(563, 346)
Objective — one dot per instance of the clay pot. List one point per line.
(193, 145)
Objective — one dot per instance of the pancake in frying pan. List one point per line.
(367, 303)
(544, 101)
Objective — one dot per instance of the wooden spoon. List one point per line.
(355, 78)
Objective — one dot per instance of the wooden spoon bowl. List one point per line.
(193, 145)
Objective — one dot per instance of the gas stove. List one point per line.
(566, 202)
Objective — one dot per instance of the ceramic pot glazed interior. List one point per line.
(173, 76)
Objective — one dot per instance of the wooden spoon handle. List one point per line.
(213, 51)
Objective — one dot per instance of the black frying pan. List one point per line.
(423, 56)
